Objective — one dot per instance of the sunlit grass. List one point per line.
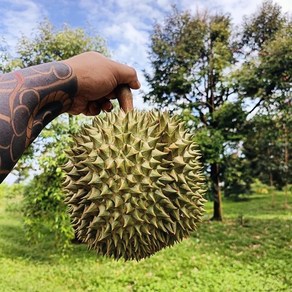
(250, 251)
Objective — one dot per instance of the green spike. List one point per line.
(154, 174)
(150, 210)
(138, 229)
(116, 215)
(135, 189)
(137, 142)
(119, 163)
(152, 130)
(124, 185)
(127, 197)
(146, 165)
(170, 228)
(145, 229)
(105, 191)
(102, 211)
(162, 213)
(153, 162)
(169, 189)
(158, 154)
(119, 141)
(92, 208)
(115, 240)
(142, 205)
(104, 151)
(185, 212)
(109, 163)
(176, 214)
(152, 141)
(179, 161)
(94, 179)
(153, 221)
(94, 194)
(115, 224)
(160, 169)
(74, 172)
(109, 204)
(120, 232)
(128, 208)
(131, 231)
(118, 201)
(165, 178)
(136, 214)
(103, 174)
(131, 179)
(127, 220)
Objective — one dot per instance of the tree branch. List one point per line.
(258, 103)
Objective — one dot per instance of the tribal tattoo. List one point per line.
(29, 100)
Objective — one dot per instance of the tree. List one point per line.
(261, 26)
(190, 57)
(265, 80)
(217, 78)
(265, 148)
(43, 199)
(266, 77)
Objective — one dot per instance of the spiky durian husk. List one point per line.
(134, 184)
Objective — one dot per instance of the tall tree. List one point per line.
(190, 56)
(265, 79)
(194, 61)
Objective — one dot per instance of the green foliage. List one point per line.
(236, 176)
(268, 139)
(250, 250)
(185, 50)
(44, 208)
(267, 76)
(261, 26)
(43, 197)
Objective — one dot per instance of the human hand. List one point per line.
(98, 78)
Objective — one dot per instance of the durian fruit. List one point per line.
(134, 184)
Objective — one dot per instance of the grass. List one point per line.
(250, 251)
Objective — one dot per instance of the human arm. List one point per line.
(30, 98)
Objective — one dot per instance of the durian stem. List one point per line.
(125, 97)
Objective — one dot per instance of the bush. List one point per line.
(44, 210)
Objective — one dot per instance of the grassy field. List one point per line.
(250, 251)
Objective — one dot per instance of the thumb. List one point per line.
(125, 97)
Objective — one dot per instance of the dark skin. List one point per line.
(31, 98)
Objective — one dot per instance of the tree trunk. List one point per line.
(217, 209)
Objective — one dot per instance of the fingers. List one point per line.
(95, 107)
(107, 106)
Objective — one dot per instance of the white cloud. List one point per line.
(19, 17)
(126, 24)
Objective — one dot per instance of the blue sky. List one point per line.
(124, 24)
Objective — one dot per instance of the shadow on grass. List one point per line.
(13, 244)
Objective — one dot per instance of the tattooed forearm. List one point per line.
(29, 100)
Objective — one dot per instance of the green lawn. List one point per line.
(250, 251)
